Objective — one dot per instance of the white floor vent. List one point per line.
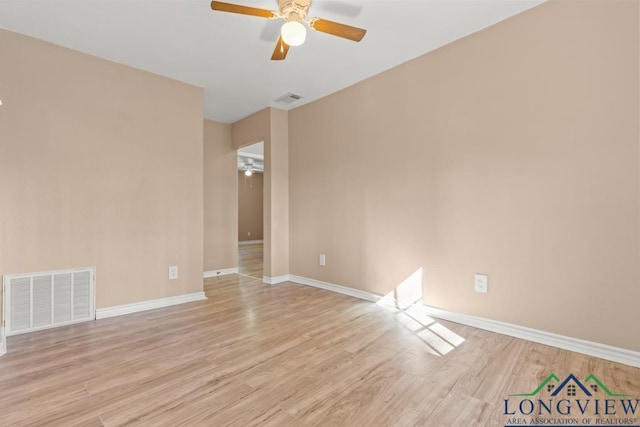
(45, 300)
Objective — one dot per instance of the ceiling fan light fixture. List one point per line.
(248, 172)
(293, 33)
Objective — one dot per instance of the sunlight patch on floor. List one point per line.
(406, 301)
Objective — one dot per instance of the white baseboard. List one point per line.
(3, 342)
(222, 272)
(250, 242)
(275, 280)
(103, 313)
(602, 351)
(335, 288)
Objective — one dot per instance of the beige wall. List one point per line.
(513, 152)
(271, 126)
(220, 198)
(100, 165)
(252, 129)
(250, 206)
(277, 193)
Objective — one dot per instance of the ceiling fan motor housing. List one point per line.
(294, 10)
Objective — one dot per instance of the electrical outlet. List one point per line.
(323, 260)
(481, 282)
(248, 234)
(173, 272)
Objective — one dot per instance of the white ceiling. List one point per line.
(229, 55)
(256, 149)
(251, 157)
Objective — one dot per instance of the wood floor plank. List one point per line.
(284, 355)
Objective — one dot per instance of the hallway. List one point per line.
(250, 260)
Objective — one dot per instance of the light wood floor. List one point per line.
(250, 260)
(286, 355)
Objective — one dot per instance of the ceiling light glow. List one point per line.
(248, 172)
(293, 33)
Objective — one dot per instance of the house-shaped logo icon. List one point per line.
(571, 383)
(570, 387)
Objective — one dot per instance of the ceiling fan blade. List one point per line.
(244, 10)
(336, 29)
(280, 52)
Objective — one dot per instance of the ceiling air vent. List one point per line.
(288, 98)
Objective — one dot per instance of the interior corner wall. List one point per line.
(513, 152)
(250, 207)
(100, 165)
(220, 198)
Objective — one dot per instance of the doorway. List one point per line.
(250, 210)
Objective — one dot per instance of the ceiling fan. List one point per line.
(293, 32)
